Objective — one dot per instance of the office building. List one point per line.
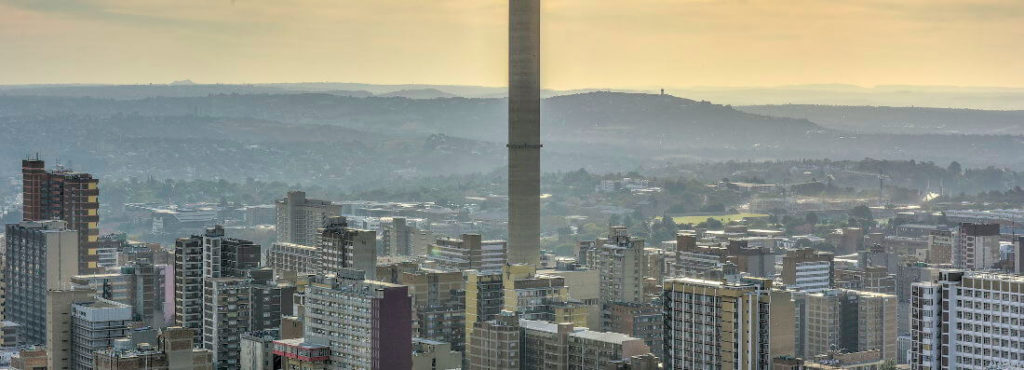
(343, 247)
(468, 253)
(58, 312)
(40, 256)
(524, 132)
(173, 350)
(367, 324)
(620, 259)
(968, 320)
(485, 297)
(539, 297)
(847, 321)
(65, 195)
(495, 343)
(726, 325)
(438, 305)
(291, 258)
(940, 247)
(399, 237)
(94, 326)
(639, 320)
(976, 246)
(547, 345)
(808, 270)
(299, 218)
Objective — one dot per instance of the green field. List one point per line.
(724, 218)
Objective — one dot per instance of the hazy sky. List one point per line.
(586, 43)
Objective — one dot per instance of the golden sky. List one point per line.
(586, 43)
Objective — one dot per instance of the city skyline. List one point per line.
(648, 44)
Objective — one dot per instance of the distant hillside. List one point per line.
(419, 94)
(901, 120)
(326, 136)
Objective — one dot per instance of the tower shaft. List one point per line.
(524, 132)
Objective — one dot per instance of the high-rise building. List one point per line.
(638, 320)
(468, 253)
(495, 343)
(808, 270)
(201, 258)
(94, 326)
(59, 339)
(343, 247)
(940, 246)
(535, 296)
(485, 297)
(40, 256)
(188, 284)
(399, 237)
(725, 325)
(367, 324)
(547, 345)
(848, 321)
(62, 194)
(968, 320)
(299, 218)
(620, 260)
(976, 246)
(524, 132)
(293, 258)
(438, 305)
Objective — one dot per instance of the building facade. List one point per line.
(366, 324)
(65, 195)
(299, 218)
(469, 252)
(968, 320)
(725, 325)
(39, 256)
(343, 247)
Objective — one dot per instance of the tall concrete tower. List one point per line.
(524, 131)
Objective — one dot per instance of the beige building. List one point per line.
(808, 270)
(468, 252)
(433, 355)
(299, 218)
(58, 324)
(623, 266)
(344, 247)
(726, 325)
(291, 258)
(536, 296)
(173, 351)
(940, 247)
(484, 297)
(584, 286)
(494, 344)
(562, 346)
(438, 310)
(847, 321)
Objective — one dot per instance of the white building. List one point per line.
(968, 320)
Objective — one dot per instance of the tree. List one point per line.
(811, 218)
(861, 212)
(954, 168)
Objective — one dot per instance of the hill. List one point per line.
(901, 120)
